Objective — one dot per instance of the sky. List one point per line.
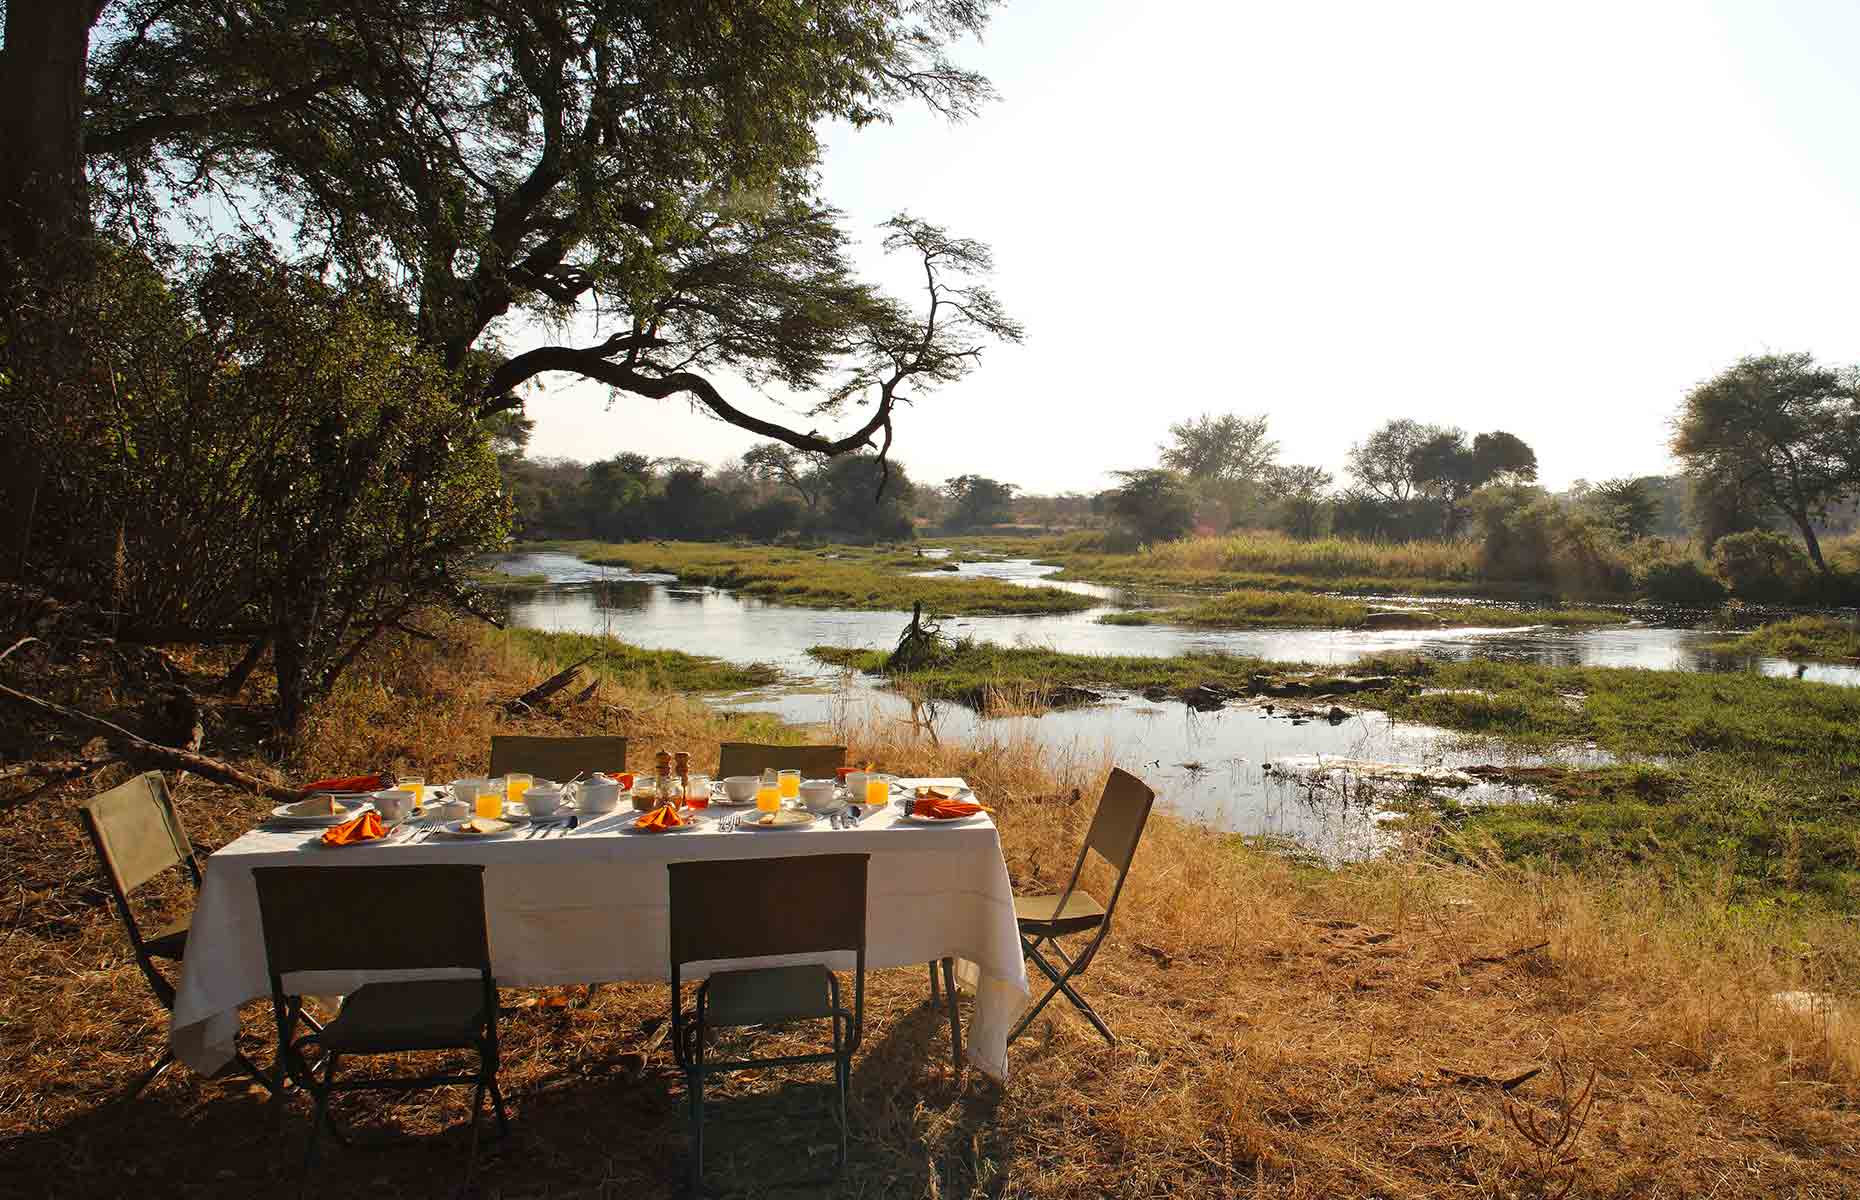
(1548, 219)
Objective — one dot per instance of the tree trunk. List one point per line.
(1808, 537)
(43, 197)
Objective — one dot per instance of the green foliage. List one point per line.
(1777, 432)
(1761, 565)
(1626, 506)
(1303, 510)
(1676, 580)
(1526, 534)
(254, 452)
(976, 501)
(1154, 505)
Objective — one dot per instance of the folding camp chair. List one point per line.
(1116, 828)
(749, 758)
(766, 907)
(329, 918)
(137, 836)
(557, 758)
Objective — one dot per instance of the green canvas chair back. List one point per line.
(136, 833)
(557, 758)
(750, 758)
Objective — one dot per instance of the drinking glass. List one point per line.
(789, 783)
(515, 784)
(877, 791)
(697, 792)
(417, 785)
(490, 800)
(768, 792)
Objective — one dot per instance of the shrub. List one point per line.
(1761, 565)
(1677, 581)
(1524, 534)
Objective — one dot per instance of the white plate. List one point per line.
(283, 816)
(455, 830)
(691, 822)
(719, 796)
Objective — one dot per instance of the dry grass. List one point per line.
(1285, 1031)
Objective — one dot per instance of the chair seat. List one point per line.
(1035, 914)
(766, 995)
(170, 943)
(424, 1014)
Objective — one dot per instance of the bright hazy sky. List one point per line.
(1549, 219)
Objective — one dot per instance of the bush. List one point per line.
(1677, 581)
(1524, 534)
(1761, 565)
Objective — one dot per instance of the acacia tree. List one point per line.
(648, 168)
(976, 500)
(797, 470)
(1779, 429)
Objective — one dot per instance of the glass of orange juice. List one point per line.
(515, 784)
(415, 784)
(877, 790)
(789, 783)
(490, 802)
(768, 792)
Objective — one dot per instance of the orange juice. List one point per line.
(515, 786)
(877, 791)
(490, 804)
(417, 786)
(768, 792)
(790, 784)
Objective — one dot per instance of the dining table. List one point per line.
(590, 905)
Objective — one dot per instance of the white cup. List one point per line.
(394, 804)
(819, 795)
(599, 796)
(543, 799)
(448, 810)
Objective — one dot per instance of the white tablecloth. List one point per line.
(592, 907)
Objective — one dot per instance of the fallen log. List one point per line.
(547, 687)
(139, 749)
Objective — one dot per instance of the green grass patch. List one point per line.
(1254, 608)
(853, 577)
(1827, 638)
(968, 667)
(662, 670)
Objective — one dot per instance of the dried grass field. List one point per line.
(1286, 1031)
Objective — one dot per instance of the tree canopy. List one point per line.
(1777, 428)
(648, 169)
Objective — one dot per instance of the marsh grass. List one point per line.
(1833, 639)
(1251, 608)
(654, 670)
(1285, 1029)
(852, 577)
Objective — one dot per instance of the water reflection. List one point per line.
(1207, 766)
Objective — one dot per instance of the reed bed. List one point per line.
(1286, 1031)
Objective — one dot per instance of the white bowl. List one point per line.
(448, 810)
(741, 789)
(542, 800)
(598, 796)
(820, 795)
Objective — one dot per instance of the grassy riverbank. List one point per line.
(1326, 1039)
(1758, 793)
(662, 670)
(1254, 608)
(1830, 639)
(855, 577)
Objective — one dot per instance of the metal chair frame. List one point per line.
(723, 879)
(1114, 834)
(287, 891)
(95, 816)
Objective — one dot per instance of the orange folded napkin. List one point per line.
(347, 783)
(946, 810)
(365, 828)
(660, 819)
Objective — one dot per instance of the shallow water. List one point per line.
(1206, 766)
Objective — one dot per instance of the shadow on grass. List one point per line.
(609, 1126)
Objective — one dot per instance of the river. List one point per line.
(1207, 767)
